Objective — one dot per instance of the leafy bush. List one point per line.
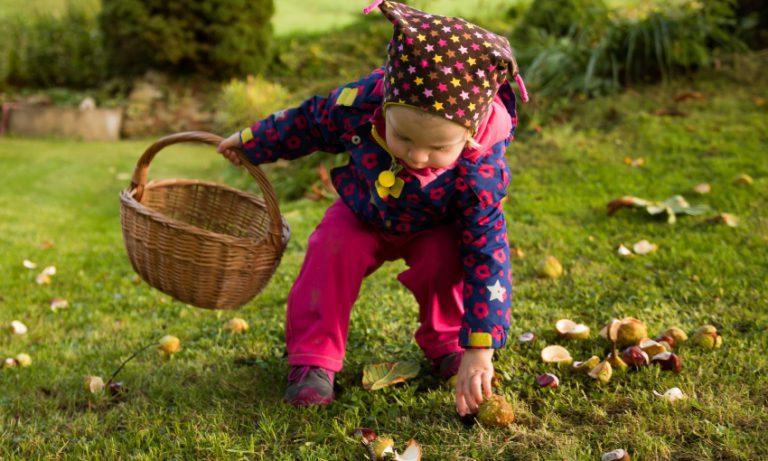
(753, 22)
(241, 103)
(45, 51)
(563, 17)
(217, 39)
(603, 52)
(314, 64)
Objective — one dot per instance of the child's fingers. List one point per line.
(487, 388)
(461, 404)
(233, 157)
(476, 387)
(227, 144)
(468, 395)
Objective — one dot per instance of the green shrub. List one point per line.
(753, 22)
(317, 63)
(563, 17)
(45, 51)
(605, 52)
(241, 103)
(216, 39)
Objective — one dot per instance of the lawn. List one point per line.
(219, 397)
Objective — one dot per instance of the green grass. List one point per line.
(220, 396)
(14, 8)
(291, 16)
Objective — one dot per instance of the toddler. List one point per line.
(426, 136)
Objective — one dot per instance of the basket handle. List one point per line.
(139, 180)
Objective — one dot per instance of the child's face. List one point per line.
(423, 140)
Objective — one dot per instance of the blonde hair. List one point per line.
(472, 142)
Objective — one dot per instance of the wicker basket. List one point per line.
(203, 243)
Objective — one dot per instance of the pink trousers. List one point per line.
(341, 252)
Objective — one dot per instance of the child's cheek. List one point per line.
(395, 147)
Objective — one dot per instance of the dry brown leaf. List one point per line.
(686, 95)
(669, 112)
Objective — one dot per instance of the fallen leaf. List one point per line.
(169, 345)
(527, 337)
(685, 95)
(644, 247)
(726, 218)
(412, 452)
(672, 206)
(47, 244)
(703, 188)
(18, 328)
(634, 162)
(23, 360)
(671, 395)
(385, 374)
(59, 303)
(743, 180)
(625, 201)
(93, 384)
(548, 380)
(325, 178)
(556, 354)
(615, 455)
(365, 435)
(236, 325)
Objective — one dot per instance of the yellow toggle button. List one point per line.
(387, 178)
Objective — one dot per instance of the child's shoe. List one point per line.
(448, 365)
(308, 385)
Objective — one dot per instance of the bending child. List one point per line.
(426, 136)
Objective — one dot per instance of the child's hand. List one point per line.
(226, 146)
(473, 380)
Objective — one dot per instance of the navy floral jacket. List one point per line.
(470, 193)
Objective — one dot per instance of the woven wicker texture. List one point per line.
(202, 243)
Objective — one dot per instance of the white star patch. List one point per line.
(497, 291)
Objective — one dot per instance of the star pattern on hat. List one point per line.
(444, 65)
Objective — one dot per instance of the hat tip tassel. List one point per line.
(521, 85)
(372, 6)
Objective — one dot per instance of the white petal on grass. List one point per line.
(18, 328)
(59, 303)
(671, 395)
(644, 247)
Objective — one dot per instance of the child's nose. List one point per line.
(418, 155)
